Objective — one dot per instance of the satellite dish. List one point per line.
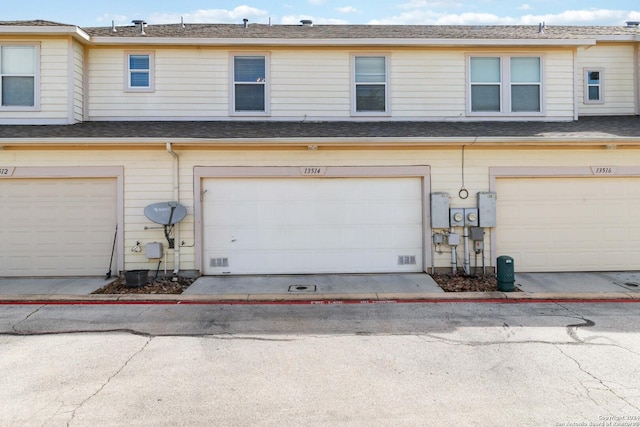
(165, 213)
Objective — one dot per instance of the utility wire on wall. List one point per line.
(463, 193)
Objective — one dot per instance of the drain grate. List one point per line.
(302, 288)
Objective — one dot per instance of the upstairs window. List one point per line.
(370, 84)
(505, 85)
(140, 72)
(250, 84)
(18, 76)
(593, 86)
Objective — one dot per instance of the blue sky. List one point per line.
(102, 12)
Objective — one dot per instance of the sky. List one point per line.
(91, 13)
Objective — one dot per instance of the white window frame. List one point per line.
(587, 85)
(387, 90)
(36, 78)
(128, 71)
(505, 86)
(266, 83)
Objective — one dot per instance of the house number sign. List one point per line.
(313, 170)
(6, 172)
(603, 170)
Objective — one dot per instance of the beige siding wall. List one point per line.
(54, 81)
(78, 82)
(305, 83)
(428, 83)
(617, 63)
(310, 84)
(558, 88)
(148, 178)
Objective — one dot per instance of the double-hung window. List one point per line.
(140, 72)
(505, 85)
(250, 75)
(370, 85)
(18, 76)
(593, 86)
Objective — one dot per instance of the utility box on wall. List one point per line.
(439, 210)
(487, 209)
(154, 250)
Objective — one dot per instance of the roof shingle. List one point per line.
(587, 127)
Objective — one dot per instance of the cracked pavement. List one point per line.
(392, 364)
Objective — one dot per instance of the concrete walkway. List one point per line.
(363, 287)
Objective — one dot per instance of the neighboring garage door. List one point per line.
(569, 224)
(312, 225)
(56, 227)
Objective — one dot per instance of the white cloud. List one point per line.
(525, 7)
(235, 15)
(570, 17)
(317, 2)
(421, 4)
(117, 19)
(295, 20)
(347, 9)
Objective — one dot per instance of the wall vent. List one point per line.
(406, 260)
(218, 262)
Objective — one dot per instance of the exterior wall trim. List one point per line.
(419, 171)
(117, 172)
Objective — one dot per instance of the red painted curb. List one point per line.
(327, 302)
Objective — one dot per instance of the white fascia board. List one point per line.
(338, 42)
(76, 32)
(628, 38)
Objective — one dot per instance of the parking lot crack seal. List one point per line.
(115, 374)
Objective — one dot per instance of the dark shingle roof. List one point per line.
(587, 127)
(263, 31)
(33, 23)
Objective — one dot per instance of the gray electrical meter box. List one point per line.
(439, 210)
(487, 209)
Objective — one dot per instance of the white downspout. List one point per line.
(176, 198)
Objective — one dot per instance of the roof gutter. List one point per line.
(577, 140)
(339, 42)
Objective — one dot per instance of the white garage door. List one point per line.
(56, 227)
(312, 225)
(569, 224)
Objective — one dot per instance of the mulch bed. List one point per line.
(161, 285)
(466, 283)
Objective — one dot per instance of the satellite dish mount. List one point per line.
(168, 214)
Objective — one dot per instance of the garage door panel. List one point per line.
(569, 224)
(61, 227)
(312, 225)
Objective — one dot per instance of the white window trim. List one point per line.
(127, 72)
(36, 80)
(505, 86)
(267, 86)
(387, 86)
(585, 76)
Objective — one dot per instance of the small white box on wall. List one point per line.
(154, 250)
